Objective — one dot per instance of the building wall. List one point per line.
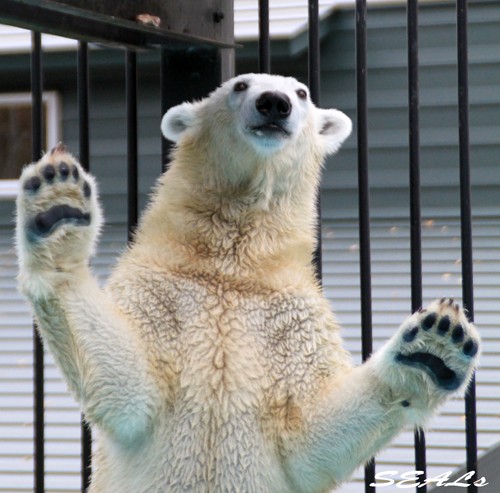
(388, 159)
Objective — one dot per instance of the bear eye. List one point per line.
(240, 86)
(302, 94)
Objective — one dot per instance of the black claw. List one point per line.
(49, 172)
(410, 334)
(429, 321)
(458, 334)
(87, 190)
(64, 170)
(60, 147)
(32, 184)
(470, 348)
(76, 173)
(444, 325)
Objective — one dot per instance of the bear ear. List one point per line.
(334, 127)
(177, 120)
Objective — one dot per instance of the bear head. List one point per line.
(267, 111)
(257, 132)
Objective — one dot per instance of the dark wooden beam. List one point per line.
(181, 22)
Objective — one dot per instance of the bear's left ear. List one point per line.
(334, 127)
(177, 120)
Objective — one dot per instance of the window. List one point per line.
(15, 135)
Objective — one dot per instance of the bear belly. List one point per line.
(225, 353)
(193, 450)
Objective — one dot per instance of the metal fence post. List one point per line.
(264, 40)
(364, 201)
(314, 74)
(132, 142)
(37, 133)
(466, 225)
(415, 206)
(83, 90)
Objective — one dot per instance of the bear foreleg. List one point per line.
(431, 357)
(93, 343)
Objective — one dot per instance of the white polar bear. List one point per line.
(212, 361)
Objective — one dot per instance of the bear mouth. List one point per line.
(271, 128)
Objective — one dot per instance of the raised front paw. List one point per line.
(58, 216)
(440, 342)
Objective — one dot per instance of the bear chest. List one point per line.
(226, 345)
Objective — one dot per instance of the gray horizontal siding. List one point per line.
(388, 96)
(388, 167)
(388, 105)
(391, 305)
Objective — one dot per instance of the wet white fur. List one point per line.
(212, 361)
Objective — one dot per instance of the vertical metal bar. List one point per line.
(466, 224)
(415, 206)
(84, 151)
(132, 145)
(83, 103)
(314, 88)
(314, 52)
(463, 108)
(414, 151)
(264, 39)
(37, 126)
(164, 72)
(364, 201)
(37, 133)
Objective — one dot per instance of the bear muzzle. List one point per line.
(273, 109)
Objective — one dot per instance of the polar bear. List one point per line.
(212, 362)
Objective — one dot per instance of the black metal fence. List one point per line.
(414, 181)
(171, 94)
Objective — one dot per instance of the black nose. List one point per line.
(274, 104)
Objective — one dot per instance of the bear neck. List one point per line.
(259, 227)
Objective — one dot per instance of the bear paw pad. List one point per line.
(440, 342)
(55, 192)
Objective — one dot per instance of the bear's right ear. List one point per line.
(177, 120)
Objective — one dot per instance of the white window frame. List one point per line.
(52, 102)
